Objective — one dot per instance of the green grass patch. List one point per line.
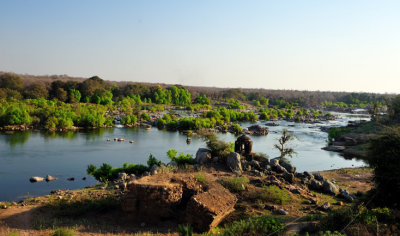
(234, 184)
(200, 177)
(355, 171)
(63, 232)
(274, 194)
(256, 225)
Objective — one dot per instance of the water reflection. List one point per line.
(16, 138)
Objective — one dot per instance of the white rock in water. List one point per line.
(50, 178)
(36, 179)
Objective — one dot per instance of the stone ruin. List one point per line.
(178, 197)
(244, 145)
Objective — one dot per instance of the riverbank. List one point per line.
(97, 210)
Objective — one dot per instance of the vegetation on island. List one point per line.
(62, 103)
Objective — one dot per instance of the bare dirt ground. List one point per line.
(96, 211)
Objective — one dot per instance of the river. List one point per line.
(65, 155)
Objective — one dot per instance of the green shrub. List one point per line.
(63, 232)
(234, 184)
(218, 148)
(237, 129)
(329, 233)
(274, 194)
(185, 230)
(13, 234)
(200, 177)
(153, 161)
(182, 159)
(256, 225)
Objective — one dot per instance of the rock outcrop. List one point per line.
(178, 197)
(257, 130)
(203, 156)
(233, 162)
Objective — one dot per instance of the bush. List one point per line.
(200, 177)
(237, 129)
(63, 232)
(182, 159)
(274, 194)
(256, 225)
(234, 184)
(153, 161)
(218, 148)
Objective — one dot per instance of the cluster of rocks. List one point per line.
(48, 178)
(318, 183)
(256, 130)
(178, 197)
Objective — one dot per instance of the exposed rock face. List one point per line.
(203, 156)
(206, 210)
(257, 130)
(179, 197)
(150, 200)
(233, 162)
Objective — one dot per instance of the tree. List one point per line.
(61, 94)
(283, 147)
(74, 95)
(202, 99)
(36, 90)
(11, 81)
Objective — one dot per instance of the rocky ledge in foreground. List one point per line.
(179, 197)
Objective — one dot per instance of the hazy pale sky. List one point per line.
(306, 45)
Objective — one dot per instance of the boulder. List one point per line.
(289, 177)
(50, 178)
(318, 176)
(315, 185)
(203, 156)
(279, 169)
(35, 179)
(326, 206)
(289, 167)
(330, 188)
(255, 164)
(346, 195)
(206, 210)
(233, 162)
(282, 212)
(274, 162)
(122, 176)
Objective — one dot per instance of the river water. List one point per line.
(65, 155)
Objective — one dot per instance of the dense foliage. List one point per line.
(384, 157)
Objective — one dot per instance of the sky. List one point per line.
(340, 45)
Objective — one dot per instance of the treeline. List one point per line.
(93, 90)
(96, 90)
